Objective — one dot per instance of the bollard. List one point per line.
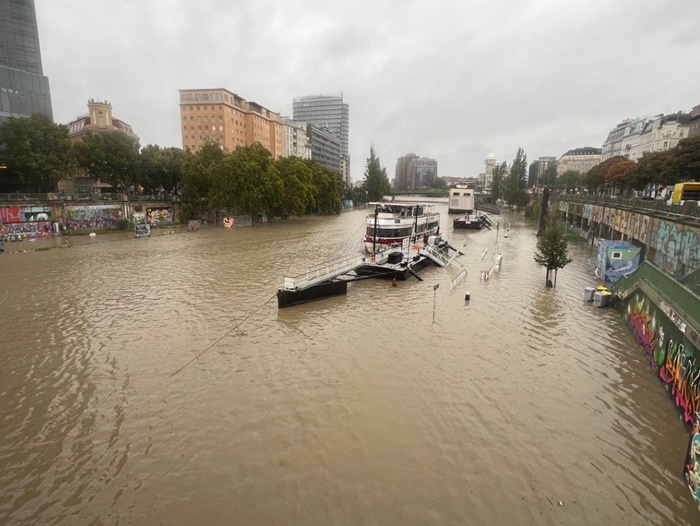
(467, 296)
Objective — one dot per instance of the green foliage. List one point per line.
(37, 153)
(687, 159)
(552, 246)
(549, 178)
(515, 183)
(122, 224)
(111, 157)
(569, 181)
(186, 212)
(499, 174)
(376, 182)
(533, 211)
(161, 168)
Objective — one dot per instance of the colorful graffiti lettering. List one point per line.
(92, 217)
(36, 229)
(160, 215)
(692, 462)
(644, 334)
(680, 372)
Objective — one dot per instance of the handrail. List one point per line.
(679, 297)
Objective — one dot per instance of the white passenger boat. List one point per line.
(399, 223)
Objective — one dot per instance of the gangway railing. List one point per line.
(322, 272)
(439, 256)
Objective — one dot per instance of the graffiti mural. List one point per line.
(92, 217)
(24, 214)
(677, 250)
(587, 211)
(691, 470)
(35, 229)
(673, 361)
(159, 215)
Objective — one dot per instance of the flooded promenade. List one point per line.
(352, 410)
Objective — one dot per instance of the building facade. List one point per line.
(99, 119)
(326, 111)
(325, 147)
(422, 172)
(222, 117)
(24, 89)
(296, 142)
(694, 128)
(345, 170)
(579, 160)
(633, 138)
(485, 179)
(401, 179)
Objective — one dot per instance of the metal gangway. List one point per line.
(328, 270)
(440, 257)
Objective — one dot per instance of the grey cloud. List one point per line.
(453, 80)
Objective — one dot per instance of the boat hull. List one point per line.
(288, 298)
(460, 224)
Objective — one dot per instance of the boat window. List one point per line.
(419, 211)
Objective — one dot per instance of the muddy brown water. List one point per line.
(352, 410)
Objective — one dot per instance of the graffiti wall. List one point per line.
(670, 354)
(676, 248)
(159, 215)
(691, 470)
(29, 221)
(92, 217)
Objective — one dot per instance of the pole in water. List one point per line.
(467, 296)
(393, 283)
(435, 287)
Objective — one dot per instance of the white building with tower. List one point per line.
(486, 178)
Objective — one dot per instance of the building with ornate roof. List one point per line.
(99, 119)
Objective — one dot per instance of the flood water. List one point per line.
(352, 410)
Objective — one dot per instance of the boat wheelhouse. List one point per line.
(462, 199)
(397, 223)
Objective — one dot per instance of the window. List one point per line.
(184, 117)
(191, 117)
(191, 127)
(213, 128)
(221, 127)
(190, 106)
(197, 98)
(205, 96)
(199, 128)
(221, 137)
(616, 255)
(197, 108)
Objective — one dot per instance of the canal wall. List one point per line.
(670, 241)
(42, 218)
(664, 317)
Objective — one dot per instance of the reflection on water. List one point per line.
(352, 410)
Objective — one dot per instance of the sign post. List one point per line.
(435, 287)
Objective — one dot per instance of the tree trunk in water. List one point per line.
(555, 277)
(543, 213)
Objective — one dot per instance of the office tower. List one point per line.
(23, 87)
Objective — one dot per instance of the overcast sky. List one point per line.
(452, 80)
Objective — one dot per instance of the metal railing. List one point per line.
(322, 272)
(25, 197)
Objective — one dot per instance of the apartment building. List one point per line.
(222, 117)
(579, 160)
(296, 142)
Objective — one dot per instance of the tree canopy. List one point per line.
(37, 153)
(499, 174)
(569, 181)
(111, 156)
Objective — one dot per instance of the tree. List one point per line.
(549, 178)
(298, 186)
(553, 249)
(687, 157)
(110, 156)
(514, 185)
(376, 182)
(499, 174)
(199, 171)
(654, 168)
(161, 168)
(619, 174)
(37, 153)
(595, 178)
(569, 181)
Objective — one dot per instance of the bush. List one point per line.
(186, 212)
(122, 224)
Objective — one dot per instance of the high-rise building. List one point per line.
(326, 111)
(422, 172)
(325, 147)
(23, 87)
(401, 179)
(221, 117)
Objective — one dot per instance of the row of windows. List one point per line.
(199, 128)
(206, 117)
(204, 97)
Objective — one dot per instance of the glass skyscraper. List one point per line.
(325, 111)
(23, 87)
